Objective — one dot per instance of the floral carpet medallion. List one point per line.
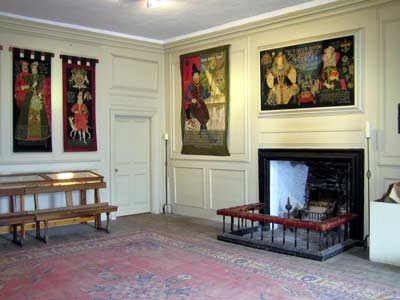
(155, 266)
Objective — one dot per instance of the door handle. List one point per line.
(116, 170)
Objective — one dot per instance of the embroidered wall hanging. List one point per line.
(317, 74)
(205, 101)
(32, 100)
(79, 103)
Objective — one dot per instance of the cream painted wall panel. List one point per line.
(189, 187)
(238, 115)
(328, 124)
(144, 101)
(227, 188)
(314, 128)
(312, 138)
(176, 106)
(73, 42)
(388, 145)
(386, 175)
(389, 84)
(134, 74)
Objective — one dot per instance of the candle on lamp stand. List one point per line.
(367, 130)
(166, 206)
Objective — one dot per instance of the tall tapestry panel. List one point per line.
(205, 103)
(32, 101)
(79, 103)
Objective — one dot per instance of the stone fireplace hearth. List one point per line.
(312, 179)
(311, 204)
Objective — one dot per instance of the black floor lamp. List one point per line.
(166, 205)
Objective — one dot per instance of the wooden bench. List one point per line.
(17, 219)
(39, 183)
(88, 210)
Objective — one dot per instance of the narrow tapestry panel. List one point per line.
(79, 104)
(205, 103)
(32, 101)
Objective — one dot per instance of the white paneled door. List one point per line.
(130, 164)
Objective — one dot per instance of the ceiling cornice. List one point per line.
(22, 25)
(312, 13)
(74, 33)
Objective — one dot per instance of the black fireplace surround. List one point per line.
(353, 159)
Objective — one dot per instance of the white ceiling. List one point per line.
(131, 18)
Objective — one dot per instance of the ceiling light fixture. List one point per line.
(154, 3)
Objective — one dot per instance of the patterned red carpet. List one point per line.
(151, 265)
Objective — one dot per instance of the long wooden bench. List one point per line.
(17, 219)
(88, 210)
(49, 183)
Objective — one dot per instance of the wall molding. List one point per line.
(175, 189)
(311, 14)
(245, 183)
(133, 88)
(42, 30)
(311, 138)
(385, 157)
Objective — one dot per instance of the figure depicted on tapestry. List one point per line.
(32, 101)
(205, 102)
(318, 74)
(79, 104)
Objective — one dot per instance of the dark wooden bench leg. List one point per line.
(19, 241)
(15, 233)
(46, 227)
(37, 229)
(96, 222)
(22, 238)
(99, 221)
(43, 238)
(108, 222)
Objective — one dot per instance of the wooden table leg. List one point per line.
(13, 228)
(22, 238)
(22, 209)
(46, 227)
(37, 229)
(82, 200)
(97, 201)
(108, 222)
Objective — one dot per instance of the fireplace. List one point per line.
(332, 182)
(311, 204)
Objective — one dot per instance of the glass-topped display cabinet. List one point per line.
(15, 187)
(27, 181)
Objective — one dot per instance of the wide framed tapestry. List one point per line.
(79, 103)
(205, 101)
(318, 74)
(31, 100)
